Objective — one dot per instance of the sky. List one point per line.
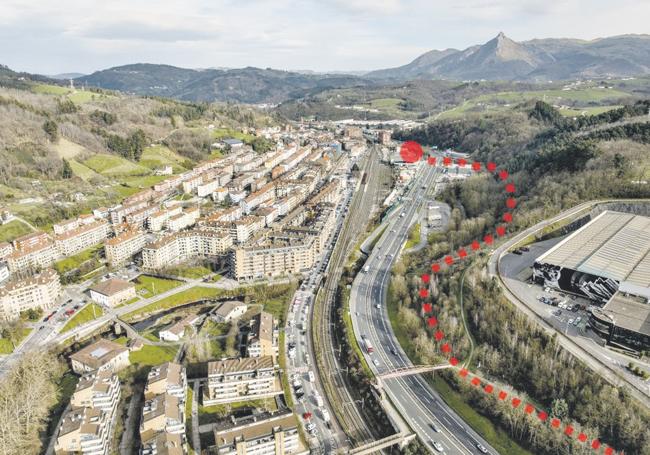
(52, 37)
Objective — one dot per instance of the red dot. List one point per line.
(516, 402)
(568, 430)
(426, 307)
(462, 253)
(491, 166)
(507, 217)
(439, 335)
(542, 416)
(435, 268)
(446, 161)
(431, 160)
(488, 388)
(476, 166)
(424, 293)
(555, 423)
(595, 444)
(449, 260)
(582, 437)
(425, 278)
(476, 381)
(411, 151)
(488, 239)
(476, 245)
(609, 451)
(502, 395)
(511, 203)
(445, 348)
(432, 321)
(453, 361)
(529, 409)
(463, 372)
(510, 188)
(461, 162)
(501, 231)
(503, 174)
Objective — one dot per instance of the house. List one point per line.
(232, 143)
(112, 292)
(163, 412)
(263, 337)
(228, 311)
(101, 355)
(177, 331)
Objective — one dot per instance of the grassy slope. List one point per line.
(112, 165)
(86, 314)
(149, 286)
(12, 230)
(190, 295)
(74, 262)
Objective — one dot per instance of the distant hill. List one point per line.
(246, 85)
(67, 76)
(537, 60)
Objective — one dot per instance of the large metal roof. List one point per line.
(613, 245)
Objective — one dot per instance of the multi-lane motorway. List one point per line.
(421, 407)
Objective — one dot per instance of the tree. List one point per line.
(137, 142)
(67, 107)
(51, 129)
(66, 172)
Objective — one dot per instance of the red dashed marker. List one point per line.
(542, 416)
(503, 174)
(555, 423)
(476, 166)
(435, 268)
(609, 451)
(462, 253)
(510, 188)
(568, 430)
(476, 381)
(445, 348)
(501, 231)
(491, 166)
(453, 361)
(582, 437)
(511, 203)
(488, 239)
(488, 388)
(529, 409)
(476, 245)
(595, 444)
(425, 278)
(462, 162)
(507, 217)
(439, 335)
(424, 293)
(431, 160)
(411, 151)
(426, 308)
(446, 161)
(502, 395)
(463, 372)
(516, 402)
(432, 322)
(449, 260)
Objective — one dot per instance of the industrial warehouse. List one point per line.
(608, 261)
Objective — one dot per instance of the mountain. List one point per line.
(502, 58)
(245, 85)
(67, 76)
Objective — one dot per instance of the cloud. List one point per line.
(137, 31)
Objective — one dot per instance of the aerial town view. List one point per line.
(364, 227)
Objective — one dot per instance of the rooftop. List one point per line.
(629, 312)
(250, 429)
(98, 353)
(228, 366)
(112, 286)
(613, 245)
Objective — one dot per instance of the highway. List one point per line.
(421, 407)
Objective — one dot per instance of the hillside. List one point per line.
(537, 60)
(65, 150)
(246, 85)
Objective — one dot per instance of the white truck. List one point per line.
(326, 415)
(319, 400)
(311, 376)
(366, 269)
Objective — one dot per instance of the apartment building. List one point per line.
(182, 220)
(243, 229)
(163, 412)
(98, 390)
(5, 249)
(156, 220)
(30, 256)
(183, 246)
(191, 184)
(263, 337)
(162, 443)
(241, 379)
(274, 257)
(101, 355)
(85, 431)
(112, 292)
(85, 236)
(138, 218)
(167, 184)
(272, 434)
(170, 378)
(118, 213)
(124, 246)
(145, 195)
(265, 195)
(39, 291)
(270, 214)
(224, 216)
(32, 239)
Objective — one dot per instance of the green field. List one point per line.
(188, 296)
(142, 181)
(384, 103)
(159, 156)
(192, 272)
(150, 355)
(77, 96)
(74, 262)
(414, 236)
(226, 133)
(82, 171)
(13, 230)
(113, 165)
(148, 286)
(86, 314)
(568, 112)
(5, 345)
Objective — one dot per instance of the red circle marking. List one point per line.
(488, 239)
(435, 268)
(411, 151)
(491, 166)
(425, 278)
(424, 293)
(510, 188)
(501, 231)
(439, 335)
(427, 307)
(511, 203)
(476, 166)
(503, 174)
(507, 217)
(431, 160)
(432, 321)
(446, 161)
(449, 260)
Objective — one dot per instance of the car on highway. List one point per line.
(436, 445)
(434, 428)
(376, 362)
(393, 351)
(481, 447)
(378, 306)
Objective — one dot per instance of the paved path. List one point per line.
(132, 423)
(196, 439)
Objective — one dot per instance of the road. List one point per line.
(578, 346)
(419, 404)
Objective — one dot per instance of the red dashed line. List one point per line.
(449, 260)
